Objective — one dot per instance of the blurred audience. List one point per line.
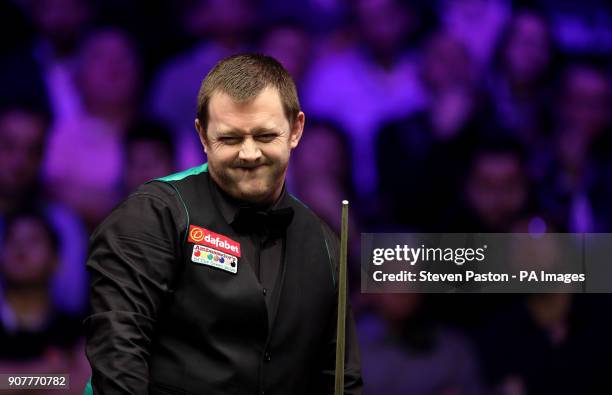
(84, 162)
(149, 154)
(405, 351)
(36, 335)
(576, 186)
(222, 28)
(321, 169)
(368, 80)
(23, 137)
(522, 76)
(496, 192)
(477, 23)
(320, 175)
(291, 45)
(421, 146)
(23, 132)
(549, 344)
(60, 25)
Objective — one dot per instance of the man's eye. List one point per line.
(229, 140)
(266, 138)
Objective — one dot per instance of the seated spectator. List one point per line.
(30, 320)
(404, 351)
(84, 162)
(41, 61)
(522, 76)
(433, 144)
(368, 81)
(549, 344)
(291, 45)
(149, 154)
(36, 336)
(220, 28)
(576, 183)
(321, 170)
(496, 192)
(60, 26)
(23, 132)
(23, 136)
(477, 24)
(320, 175)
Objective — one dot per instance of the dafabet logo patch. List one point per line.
(213, 249)
(199, 235)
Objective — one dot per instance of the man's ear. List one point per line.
(296, 130)
(202, 135)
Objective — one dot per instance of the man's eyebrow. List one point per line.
(263, 130)
(240, 132)
(230, 132)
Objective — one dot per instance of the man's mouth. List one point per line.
(250, 167)
(250, 171)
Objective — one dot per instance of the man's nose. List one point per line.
(249, 151)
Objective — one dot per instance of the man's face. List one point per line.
(248, 145)
(586, 101)
(146, 160)
(21, 150)
(496, 189)
(109, 72)
(529, 51)
(28, 257)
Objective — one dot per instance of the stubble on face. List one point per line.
(256, 185)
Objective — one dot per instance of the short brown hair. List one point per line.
(243, 77)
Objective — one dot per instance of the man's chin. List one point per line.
(255, 197)
(249, 187)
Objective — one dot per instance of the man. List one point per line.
(216, 280)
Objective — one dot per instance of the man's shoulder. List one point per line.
(167, 188)
(154, 205)
(153, 193)
(152, 197)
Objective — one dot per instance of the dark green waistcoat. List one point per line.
(214, 335)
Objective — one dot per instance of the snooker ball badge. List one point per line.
(213, 249)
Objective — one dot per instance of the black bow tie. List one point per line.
(272, 223)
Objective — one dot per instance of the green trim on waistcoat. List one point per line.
(203, 168)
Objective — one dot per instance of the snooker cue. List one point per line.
(340, 334)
